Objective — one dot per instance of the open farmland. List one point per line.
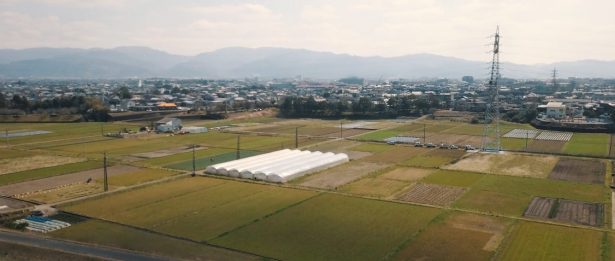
(114, 235)
(511, 195)
(41, 173)
(433, 158)
(388, 183)
(34, 162)
(588, 144)
(535, 241)
(458, 237)
(546, 146)
(332, 228)
(395, 155)
(202, 163)
(507, 164)
(177, 207)
(453, 178)
(61, 180)
(432, 194)
(340, 175)
(579, 170)
(566, 211)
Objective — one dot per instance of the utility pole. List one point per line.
(238, 156)
(6, 137)
(341, 130)
(527, 136)
(424, 136)
(193, 161)
(296, 137)
(610, 143)
(102, 130)
(554, 80)
(105, 178)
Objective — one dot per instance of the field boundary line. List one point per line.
(206, 243)
(266, 216)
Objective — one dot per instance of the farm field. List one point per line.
(534, 241)
(340, 175)
(113, 235)
(579, 170)
(329, 232)
(41, 173)
(458, 236)
(507, 164)
(439, 195)
(182, 212)
(588, 145)
(511, 195)
(34, 162)
(433, 158)
(366, 209)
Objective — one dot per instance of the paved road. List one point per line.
(75, 248)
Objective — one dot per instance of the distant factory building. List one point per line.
(166, 106)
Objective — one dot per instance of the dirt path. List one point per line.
(54, 182)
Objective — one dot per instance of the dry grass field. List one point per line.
(507, 164)
(34, 162)
(439, 195)
(579, 170)
(336, 177)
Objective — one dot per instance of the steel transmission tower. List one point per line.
(491, 131)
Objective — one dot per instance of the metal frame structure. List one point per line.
(491, 131)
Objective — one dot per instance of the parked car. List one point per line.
(469, 147)
(453, 147)
(443, 146)
(430, 145)
(418, 144)
(391, 142)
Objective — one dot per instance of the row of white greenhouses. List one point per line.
(279, 166)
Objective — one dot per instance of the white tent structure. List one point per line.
(279, 166)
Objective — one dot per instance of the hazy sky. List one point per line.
(533, 31)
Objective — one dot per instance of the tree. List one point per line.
(3, 102)
(123, 93)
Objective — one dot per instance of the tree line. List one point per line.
(90, 108)
(294, 106)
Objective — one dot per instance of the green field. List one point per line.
(141, 176)
(379, 135)
(434, 158)
(113, 235)
(511, 195)
(47, 172)
(202, 163)
(184, 156)
(589, 144)
(331, 227)
(534, 241)
(196, 208)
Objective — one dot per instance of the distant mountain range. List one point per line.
(238, 62)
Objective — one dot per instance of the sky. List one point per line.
(533, 31)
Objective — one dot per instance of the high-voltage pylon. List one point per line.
(491, 131)
(554, 80)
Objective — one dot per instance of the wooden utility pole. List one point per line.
(424, 141)
(105, 178)
(610, 143)
(193, 161)
(341, 130)
(527, 136)
(6, 137)
(296, 137)
(238, 156)
(102, 130)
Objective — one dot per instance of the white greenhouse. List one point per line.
(279, 166)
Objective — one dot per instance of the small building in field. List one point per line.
(169, 125)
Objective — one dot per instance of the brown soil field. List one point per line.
(545, 146)
(495, 227)
(247, 115)
(166, 152)
(340, 175)
(57, 181)
(507, 164)
(566, 211)
(65, 193)
(441, 242)
(578, 170)
(432, 194)
(34, 162)
(407, 174)
(395, 155)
